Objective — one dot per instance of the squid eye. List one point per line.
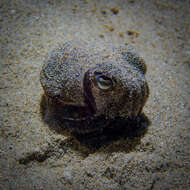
(103, 82)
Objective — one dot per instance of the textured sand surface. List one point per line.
(32, 156)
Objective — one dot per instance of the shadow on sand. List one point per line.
(119, 135)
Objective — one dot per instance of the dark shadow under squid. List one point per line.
(117, 129)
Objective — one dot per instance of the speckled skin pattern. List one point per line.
(72, 95)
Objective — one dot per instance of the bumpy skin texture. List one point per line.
(86, 87)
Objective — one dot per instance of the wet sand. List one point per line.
(32, 156)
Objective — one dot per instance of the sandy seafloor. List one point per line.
(32, 156)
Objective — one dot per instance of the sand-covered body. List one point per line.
(84, 84)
